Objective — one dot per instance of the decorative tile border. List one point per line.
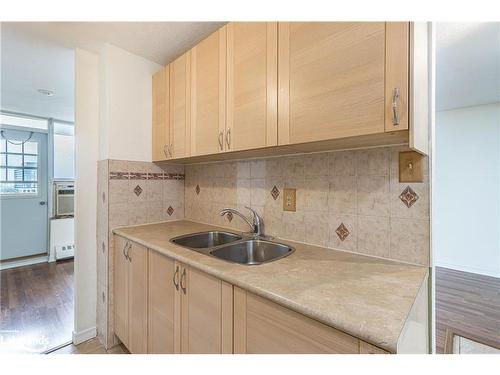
(145, 176)
(119, 175)
(138, 176)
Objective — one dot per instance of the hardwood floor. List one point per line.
(468, 303)
(36, 307)
(92, 346)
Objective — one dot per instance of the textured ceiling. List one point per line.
(40, 55)
(160, 42)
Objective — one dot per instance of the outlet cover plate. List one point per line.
(289, 199)
(411, 167)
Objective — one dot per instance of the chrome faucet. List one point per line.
(256, 224)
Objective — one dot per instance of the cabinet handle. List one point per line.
(165, 151)
(395, 102)
(228, 138)
(128, 252)
(183, 278)
(221, 140)
(170, 150)
(176, 277)
(124, 250)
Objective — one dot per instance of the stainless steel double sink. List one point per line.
(231, 247)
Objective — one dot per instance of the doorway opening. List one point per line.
(36, 193)
(466, 208)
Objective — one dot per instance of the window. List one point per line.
(18, 167)
(24, 122)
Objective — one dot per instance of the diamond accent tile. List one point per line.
(197, 189)
(137, 190)
(170, 210)
(229, 216)
(275, 192)
(342, 231)
(408, 197)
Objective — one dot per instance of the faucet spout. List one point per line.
(255, 225)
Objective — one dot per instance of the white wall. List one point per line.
(64, 156)
(86, 147)
(112, 120)
(467, 189)
(125, 101)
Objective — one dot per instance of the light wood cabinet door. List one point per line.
(138, 299)
(163, 275)
(252, 75)
(208, 94)
(161, 118)
(397, 75)
(330, 80)
(207, 313)
(264, 327)
(120, 281)
(180, 111)
(365, 348)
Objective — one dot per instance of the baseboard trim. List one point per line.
(28, 261)
(57, 347)
(86, 334)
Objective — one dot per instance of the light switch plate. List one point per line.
(289, 199)
(411, 167)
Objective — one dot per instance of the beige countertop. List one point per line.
(367, 297)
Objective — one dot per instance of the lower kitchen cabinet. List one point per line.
(162, 296)
(138, 299)
(130, 300)
(264, 327)
(164, 306)
(365, 348)
(120, 295)
(207, 313)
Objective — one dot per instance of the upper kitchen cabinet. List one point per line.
(332, 80)
(251, 85)
(397, 68)
(180, 110)
(161, 106)
(208, 94)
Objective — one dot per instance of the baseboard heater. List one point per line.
(65, 251)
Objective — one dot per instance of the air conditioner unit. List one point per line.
(64, 196)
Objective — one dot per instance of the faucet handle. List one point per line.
(256, 216)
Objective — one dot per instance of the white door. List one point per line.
(23, 193)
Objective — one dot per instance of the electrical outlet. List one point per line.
(411, 167)
(289, 199)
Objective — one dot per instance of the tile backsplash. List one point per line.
(129, 193)
(348, 200)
